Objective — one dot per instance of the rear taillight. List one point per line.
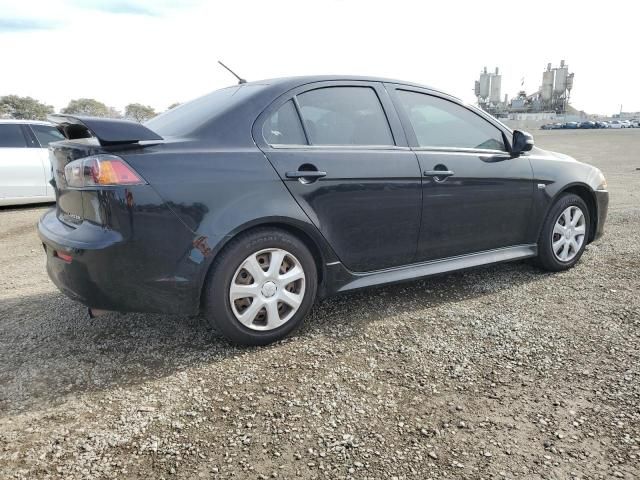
(100, 170)
(65, 257)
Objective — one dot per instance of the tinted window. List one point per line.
(344, 116)
(440, 123)
(283, 127)
(11, 136)
(188, 117)
(46, 134)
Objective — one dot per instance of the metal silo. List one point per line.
(496, 87)
(561, 78)
(546, 91)
(570, 82)
(485, 83)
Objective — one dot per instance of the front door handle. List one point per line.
(438, 173)
(314, 174)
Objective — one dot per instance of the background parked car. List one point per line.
(570, 125)
(587, 124)
(25, 169)
(616, 124)
(551, 126)
(602, 124)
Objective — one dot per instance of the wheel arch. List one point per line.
(321, 252)
(586, 193)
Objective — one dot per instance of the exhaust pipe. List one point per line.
(96, 312)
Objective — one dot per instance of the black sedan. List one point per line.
(587, 125)
(249, 203)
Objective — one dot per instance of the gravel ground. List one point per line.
(502, 372)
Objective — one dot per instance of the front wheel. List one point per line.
(564, 234)
(260, 287)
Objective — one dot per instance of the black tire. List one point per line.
(546, 257)
(217, 306)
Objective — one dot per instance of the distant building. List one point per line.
(627, 115)
(552, 96)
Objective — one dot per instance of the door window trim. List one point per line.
(31, 137)
(388, 108)
(279, 146)
(32, 132)
(411, 135)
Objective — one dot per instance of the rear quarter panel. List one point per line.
(218, 193)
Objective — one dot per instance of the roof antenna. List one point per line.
(240, 79)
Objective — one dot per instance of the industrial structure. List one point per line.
(488, 91)
(552, 96)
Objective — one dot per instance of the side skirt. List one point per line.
(339, 279)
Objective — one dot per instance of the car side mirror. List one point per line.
(522, 142)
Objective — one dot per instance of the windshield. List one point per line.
(188, 117)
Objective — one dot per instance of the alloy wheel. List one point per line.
(267, 289)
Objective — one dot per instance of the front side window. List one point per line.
(11, 136)
(46, 134)
(441, 123)
(344, 116)
(283, 127)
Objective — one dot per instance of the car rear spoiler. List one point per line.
(108, 131)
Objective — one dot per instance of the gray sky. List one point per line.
(158, 52)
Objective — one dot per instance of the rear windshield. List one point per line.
(188, 117)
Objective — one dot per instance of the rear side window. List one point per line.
(46, 134)
(344, 116)
(11, 136)
(441, 123)
(187, 118)
(283, 127)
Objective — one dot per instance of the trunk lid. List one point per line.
(89, 136)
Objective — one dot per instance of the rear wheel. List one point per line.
(564, 234)
(260, 287)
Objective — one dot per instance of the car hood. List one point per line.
(560, 156)
(552, 155)
(591, 175)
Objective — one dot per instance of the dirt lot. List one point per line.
(502, 372)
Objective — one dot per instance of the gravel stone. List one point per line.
(500, 372)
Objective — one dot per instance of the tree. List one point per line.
(174, 105)
(139, 112)
(24, 108)
(5, 111)
(87, 106)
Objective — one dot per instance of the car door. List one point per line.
(476, 197)
(341, 151)
(21, 169)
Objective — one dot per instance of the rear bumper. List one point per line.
(602, 204)
(110, 272)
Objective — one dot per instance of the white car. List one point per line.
(25, 169)
(616, 124)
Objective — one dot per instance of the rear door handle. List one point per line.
(438, 173)
(305, 174)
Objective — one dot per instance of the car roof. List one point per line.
(291, 82)
(34, 122)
